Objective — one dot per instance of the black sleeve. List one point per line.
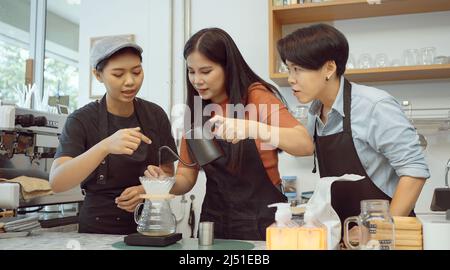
(166, 139)
(72, 141)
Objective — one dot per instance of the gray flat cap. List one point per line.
(105, 47)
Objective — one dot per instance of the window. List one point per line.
(14, 47)
(60, 74)
(12, 70)
(61, 55)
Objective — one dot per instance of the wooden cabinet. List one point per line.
(352, 9)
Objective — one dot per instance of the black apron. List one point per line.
(99, 213)
(237, 204)
(337, 155)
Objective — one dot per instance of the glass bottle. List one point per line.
(376, 230)
(301, 113)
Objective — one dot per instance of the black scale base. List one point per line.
(137, 239)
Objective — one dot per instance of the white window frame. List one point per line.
(13, 35)
(38, 17)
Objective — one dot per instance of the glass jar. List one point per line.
(351, 63)
(411, 57)
(381, 60)
(365, 61)
(376, 230)
(282, 68)
(427, 55)
(156, 218)
(301, 113)
(441, 60)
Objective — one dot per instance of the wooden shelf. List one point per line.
(351, 9)
(385, 74)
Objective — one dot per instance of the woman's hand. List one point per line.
(125, 141)
(154, 172)
(234, 130)
(129, 198)
(294, 140)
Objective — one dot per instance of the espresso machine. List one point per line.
(28, 142)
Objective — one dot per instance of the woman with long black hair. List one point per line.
(252, 124)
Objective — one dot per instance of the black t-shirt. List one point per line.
(116, 123)
(82, 129)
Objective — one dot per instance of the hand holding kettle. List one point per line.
(234, 130)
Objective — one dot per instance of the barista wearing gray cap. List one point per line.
(106, 145)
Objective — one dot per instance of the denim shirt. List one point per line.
(385, 140)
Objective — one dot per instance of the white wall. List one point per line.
(247, 22)
(148, 20)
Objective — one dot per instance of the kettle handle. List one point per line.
(346, 232)
(136, 210)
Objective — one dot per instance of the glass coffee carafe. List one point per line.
(156, 218)
(376, 230)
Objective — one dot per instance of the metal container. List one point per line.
(206, 234)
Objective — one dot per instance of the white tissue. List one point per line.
(319, 208)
